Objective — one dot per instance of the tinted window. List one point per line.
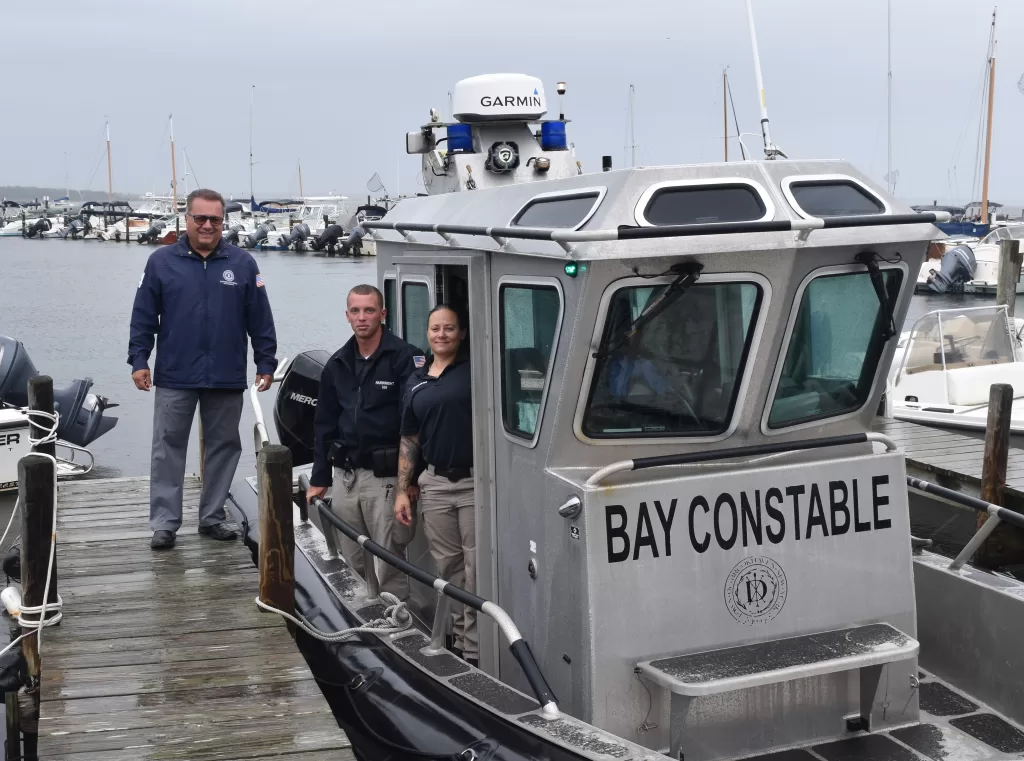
(389, 302)
(832, 198)
(834, 351)
(559, 212)
(697, 205)
(529, 321)
(415, 307)
(679, 374)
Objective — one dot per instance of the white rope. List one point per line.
(50, 437)
(396, 618)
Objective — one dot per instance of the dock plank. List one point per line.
(164, 654)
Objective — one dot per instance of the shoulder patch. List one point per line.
(419, 360)
(259, 280)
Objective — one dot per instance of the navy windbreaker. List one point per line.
(201, 312)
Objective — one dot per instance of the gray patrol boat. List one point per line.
(681, 506)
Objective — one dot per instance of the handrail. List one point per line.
(663, 231)
(690, 458)
(995, 515)
(519, 647)
(259, 430)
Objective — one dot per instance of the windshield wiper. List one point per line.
(868, 259)
(687, 274)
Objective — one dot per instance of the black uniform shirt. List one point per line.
(440, 411)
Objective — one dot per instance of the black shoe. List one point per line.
(474, 662)
(219, 531)
(162, 540)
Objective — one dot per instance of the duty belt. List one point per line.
(452, 474)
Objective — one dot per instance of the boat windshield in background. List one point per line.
(958, 338)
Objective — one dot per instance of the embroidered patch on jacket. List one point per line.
(419, 361)
(259, 280)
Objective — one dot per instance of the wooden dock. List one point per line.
(164, 655)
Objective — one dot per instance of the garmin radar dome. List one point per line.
(497, 135)
(499, 97)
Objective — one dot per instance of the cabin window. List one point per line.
(675, 373)
(834, 349)
(389, 302)
(530, 315)
(704, 204)
(415, 308)
(834, 198)
(567, 211)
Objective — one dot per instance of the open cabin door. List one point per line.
(462, 281)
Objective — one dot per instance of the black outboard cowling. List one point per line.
(296, 235)
(328, 239)
(353, 243)
(232, 233)
(77, 226)
(81, 412)
(38, 227)
(260, 235)
(957, 268)
(153, 232)
(296, 404)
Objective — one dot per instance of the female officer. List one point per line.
(437, 427)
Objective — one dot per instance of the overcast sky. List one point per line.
(338, 84)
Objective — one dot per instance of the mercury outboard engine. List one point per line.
(76, 227)
(328, 239)
(81, 412)
(260, 235)
(232, 233)
(153, 232)
(296, 404)
(38, 227)
(296, 235)
(353, 243)
(957, 268)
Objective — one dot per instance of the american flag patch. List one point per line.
(419, 361)
(259, 280)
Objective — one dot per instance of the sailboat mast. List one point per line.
(67, 178)
(110, 173)
(632, 133)
(252, 98)
(725, 112)
(988, 127)
(174, 183)
(888, 141)
(302, 195)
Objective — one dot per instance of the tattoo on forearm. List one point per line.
(408, 457)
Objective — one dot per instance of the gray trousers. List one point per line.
(367, 503)
(220, 412)
(448, 513)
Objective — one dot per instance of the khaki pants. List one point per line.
(367, 503)
(449, 521)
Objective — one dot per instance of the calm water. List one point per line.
(70, 303)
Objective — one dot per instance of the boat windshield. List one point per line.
(1009, 232)
(952, 338)
(678, 375)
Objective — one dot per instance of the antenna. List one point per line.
(771, 151)
(252, 98)
(174, 183)
(632, 132)
(110, 171)
(888, 139)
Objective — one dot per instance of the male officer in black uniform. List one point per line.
(357, 422)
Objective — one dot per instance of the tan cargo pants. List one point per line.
(449, 521)
(367, 503)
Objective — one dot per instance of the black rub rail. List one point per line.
(519, 647)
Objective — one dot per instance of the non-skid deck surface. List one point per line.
(164, 655)
(947, 453)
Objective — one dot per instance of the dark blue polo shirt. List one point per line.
(440, 411)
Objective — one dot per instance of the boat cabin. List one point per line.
(679, 502)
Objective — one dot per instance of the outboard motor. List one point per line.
(328, 239)
(353, 243)
(153, 232)
(81, 412)
(232, 233)
(38, 227)
(296, 404)
(297, 234)
(75, 228)
(957, 268)
(260, 235)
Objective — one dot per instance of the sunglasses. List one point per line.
(202, 219)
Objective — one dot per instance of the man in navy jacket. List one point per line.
(202, 299)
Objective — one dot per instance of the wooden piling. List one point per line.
(1009, 273)
(993, 469)
(277, 536)
(12, 745)
(36, 475)
(40, 399)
